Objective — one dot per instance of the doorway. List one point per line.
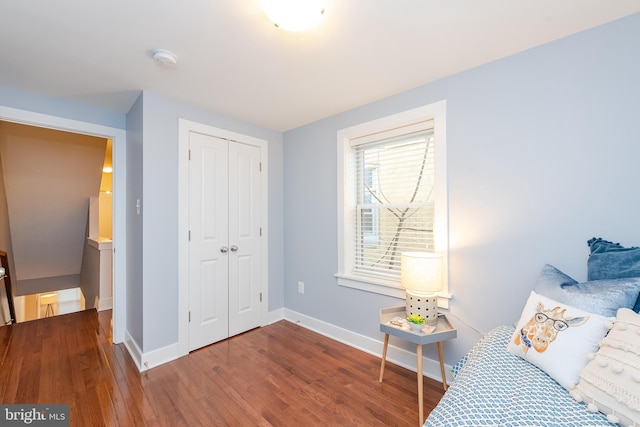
(118, 137)
(57, 191)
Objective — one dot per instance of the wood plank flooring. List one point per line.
(278, 375)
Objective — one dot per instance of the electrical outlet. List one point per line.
(301, 287)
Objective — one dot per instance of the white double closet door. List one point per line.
(224, 246)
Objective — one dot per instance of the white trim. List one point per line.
(133, 349)
(159, 357)
(184, 128)
(435, 111)
(371, 285)
(276, 316)
(145, 361)
(105, 304)
(119, 137)
(396, 355)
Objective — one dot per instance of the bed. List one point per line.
(497, 383)
(493, 387)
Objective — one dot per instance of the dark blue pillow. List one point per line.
(603, 297)
(610, 260)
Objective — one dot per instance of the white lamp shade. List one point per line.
(421, 272)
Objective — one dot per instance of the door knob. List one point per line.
(224, 249)
(234, 248)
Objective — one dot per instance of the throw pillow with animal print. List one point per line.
(557, 338)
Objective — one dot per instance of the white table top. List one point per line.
(444, 329)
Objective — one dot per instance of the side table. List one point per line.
(444, 331)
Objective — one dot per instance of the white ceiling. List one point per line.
(234, 61)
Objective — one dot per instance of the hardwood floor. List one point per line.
(278, 375)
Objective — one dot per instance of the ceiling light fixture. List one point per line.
(295, 15)
(164, 58)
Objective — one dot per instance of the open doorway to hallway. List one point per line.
(48, 304)
(56, 219)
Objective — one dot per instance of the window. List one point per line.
(391, 196)
(367, 212)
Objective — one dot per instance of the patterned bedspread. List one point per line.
(492, 387)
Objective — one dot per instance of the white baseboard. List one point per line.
(133, 349)
(395, 355)
(105, 304)
(398, 356)
(275, 316)
(160, 356)
(145, 361)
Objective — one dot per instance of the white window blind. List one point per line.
(392, 197)
(394, 180)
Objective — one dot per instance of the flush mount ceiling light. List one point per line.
(164, 58)
(295, 15)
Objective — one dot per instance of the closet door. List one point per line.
(209, 237)
(244, 237)
(225, 255)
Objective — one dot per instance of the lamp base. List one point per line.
(425, 306)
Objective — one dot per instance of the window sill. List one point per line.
(371, 285)
(382, 287)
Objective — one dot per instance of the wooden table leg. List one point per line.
(444, 377)
(384, 355)
(420, 381)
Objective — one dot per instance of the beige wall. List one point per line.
(49, 176)
(5, 245)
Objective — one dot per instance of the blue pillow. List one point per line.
(610, 260)
(603, 297)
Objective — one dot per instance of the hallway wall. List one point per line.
(5, 244)
(49, 176)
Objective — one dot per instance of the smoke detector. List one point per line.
(164, 58)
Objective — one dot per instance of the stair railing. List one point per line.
(4, 274)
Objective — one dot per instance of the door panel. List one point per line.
(244, 233)
(244, 284)
(208, 223)
(209, 271)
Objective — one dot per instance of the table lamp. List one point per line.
(421, 276)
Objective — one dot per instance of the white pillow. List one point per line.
(610, 383)
(557, 338)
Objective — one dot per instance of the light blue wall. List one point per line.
(13, 98)
(160, 211)
(543, 151)
(542, 155)
(135, 295)
(152, 177)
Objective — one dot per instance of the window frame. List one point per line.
(346, 199)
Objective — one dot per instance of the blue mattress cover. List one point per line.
(492, 387)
